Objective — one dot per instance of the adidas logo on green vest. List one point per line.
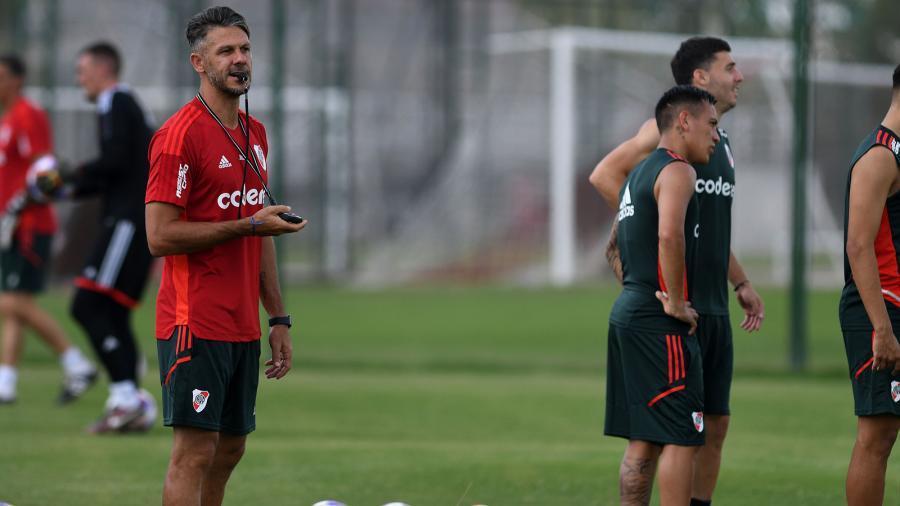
(626, 208)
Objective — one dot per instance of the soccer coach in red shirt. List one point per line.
(205, 213)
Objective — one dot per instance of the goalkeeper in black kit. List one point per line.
(112, 281)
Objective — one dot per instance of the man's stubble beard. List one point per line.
(219, 82)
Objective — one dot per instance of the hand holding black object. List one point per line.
(290, 217)
(269, 221)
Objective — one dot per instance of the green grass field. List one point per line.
(448, 397)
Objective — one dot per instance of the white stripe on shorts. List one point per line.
(115, 253)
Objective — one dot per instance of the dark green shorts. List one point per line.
(23, 268)
(874, 392)
(208, 384)
(654, 387)
(717, 347)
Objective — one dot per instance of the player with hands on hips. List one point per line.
(681, 310)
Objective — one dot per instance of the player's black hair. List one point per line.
(695, 53)
(200, 23)
(107, 52)
(14, 64)
(896, 86)
(674, 99)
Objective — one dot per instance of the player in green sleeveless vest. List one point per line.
(706, 63)
(638, 306)
(654, 376)
(870, 302)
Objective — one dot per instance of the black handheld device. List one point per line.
(290, 217)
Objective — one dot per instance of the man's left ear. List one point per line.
(700, 77)
(197, 62)
(683, 120)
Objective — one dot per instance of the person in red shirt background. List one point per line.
(206, 214)
(24, 137)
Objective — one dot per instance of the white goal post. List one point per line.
(771, 57)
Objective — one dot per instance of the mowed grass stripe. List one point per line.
(502, 400)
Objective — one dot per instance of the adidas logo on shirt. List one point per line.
(224, 163)
(626, 208)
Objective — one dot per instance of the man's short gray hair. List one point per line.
(200, 23)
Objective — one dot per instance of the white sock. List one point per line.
(74, 362)
(8, 376)
(123, 394)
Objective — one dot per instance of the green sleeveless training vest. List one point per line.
(638, 240)
(715, 193)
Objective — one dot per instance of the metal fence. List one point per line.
(421, 151)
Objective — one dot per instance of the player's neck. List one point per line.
(109, 84)
(7, 101)
(892, 118)
(671, 141)
(722, 109)
(225, 106)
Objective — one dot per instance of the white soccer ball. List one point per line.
(396, 504)
(329, 502)
(46, 164)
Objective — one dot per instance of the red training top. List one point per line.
(194, 166)
(24, 136)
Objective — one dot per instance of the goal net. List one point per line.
(513, 203)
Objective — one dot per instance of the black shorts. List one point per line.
(120, 263)
(874, 392)
(23, 267)
(717, 347)
(208, 384)
(654, 387)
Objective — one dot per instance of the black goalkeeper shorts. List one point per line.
(120, 262)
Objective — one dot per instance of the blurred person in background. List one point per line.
(654, 387)
(870, 302)
(206, 214)
(112, 281)
(25, 136)
(704, 62)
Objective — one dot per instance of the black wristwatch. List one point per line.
(281, 320)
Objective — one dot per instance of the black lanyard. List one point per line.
(253, 162)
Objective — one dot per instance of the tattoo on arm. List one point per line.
(612, 253)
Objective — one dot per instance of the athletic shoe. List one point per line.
(7, 384)
(117, 419)
(7, 394)
(75, 385)
(147, 419)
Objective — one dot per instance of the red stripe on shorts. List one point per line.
(665, 394)
(669, 351)
(175, 366)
